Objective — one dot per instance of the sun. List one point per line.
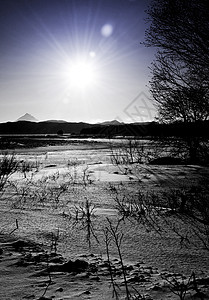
(81, 74)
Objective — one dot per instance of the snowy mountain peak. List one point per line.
(27, 117)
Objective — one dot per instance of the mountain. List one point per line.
(45, 127)
(113, 122)
(27, 117)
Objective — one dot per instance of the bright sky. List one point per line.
(74, 60)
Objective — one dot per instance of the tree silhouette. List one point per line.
(179, 95)
(180, 32)
(179, 29)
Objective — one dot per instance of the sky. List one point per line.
(74, 60)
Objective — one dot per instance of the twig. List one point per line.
(17, 227)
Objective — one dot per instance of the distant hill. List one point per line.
(113, 122)
(28, 127)
(55, 121)
(27, 117)
(149, 129)
(100, 130)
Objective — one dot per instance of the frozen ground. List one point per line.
(37, 222)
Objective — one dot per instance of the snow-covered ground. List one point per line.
(38, 221)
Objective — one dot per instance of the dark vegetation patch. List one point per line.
(166, 160)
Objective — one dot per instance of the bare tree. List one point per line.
(181, 29)
(180, 32)
(8, 166)
(178, 93)
(179, 85)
